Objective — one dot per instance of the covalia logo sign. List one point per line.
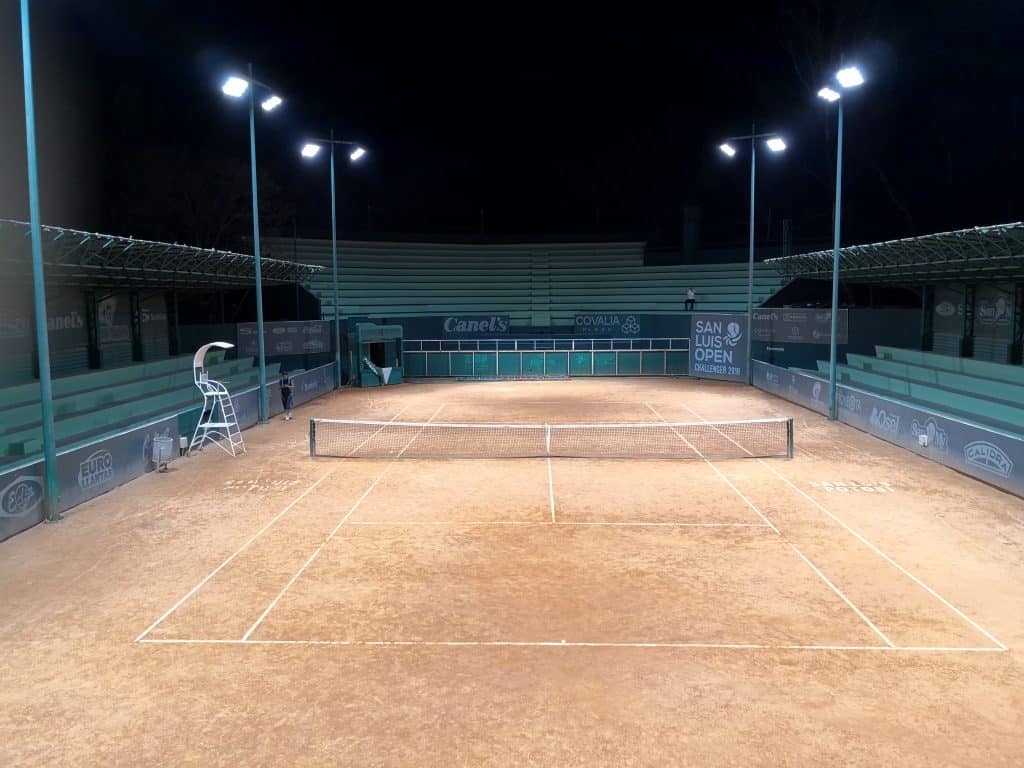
(97, 469)
(989, 457)
(626, 325)
(21, 497)
(492, 324)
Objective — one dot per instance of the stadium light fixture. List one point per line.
(775, 144)
(310, 150)
(850, 77)
(847, 77)
(235, 86)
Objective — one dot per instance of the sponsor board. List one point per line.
(610, 325)
(476, 325)
(299, 337)
(718, 347)
(22, 496)
(798, 326)
(989, 455)
(97, 469)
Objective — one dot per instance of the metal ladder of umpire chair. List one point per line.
(217, 423)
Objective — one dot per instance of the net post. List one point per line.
(312, 437)
(789, 438)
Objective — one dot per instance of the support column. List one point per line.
(927, 317)
(173, 342)
(967, 333)
(135, 307)
(1017, 331)
(92, 328)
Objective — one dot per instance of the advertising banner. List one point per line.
(475, 325)
(295, 337)
(87, 472)
(718, 347)
(987, 454)
(798, 326)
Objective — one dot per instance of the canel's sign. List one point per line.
(718, 347)
(460, 325)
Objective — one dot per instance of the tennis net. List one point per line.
(343, 438)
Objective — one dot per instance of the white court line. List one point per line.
(383, 424)
(845, 599)
(235, 554)
(566, 644)
(239, 551)
(812, 566)
(877, 550)
(402, 452)
(718, 472)
(551, 490)
(891, 562)
(326, 541)
(612, 523)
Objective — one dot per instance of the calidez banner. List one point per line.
(718, 347)
(987, 454)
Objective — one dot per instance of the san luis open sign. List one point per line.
(718, 347)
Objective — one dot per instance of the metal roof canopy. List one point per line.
(980, 253)
(89, 259)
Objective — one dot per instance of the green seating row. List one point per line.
(12, 419)
(978, 408)
(68, 385)
(1013, 374)
(960, 382)
(107, 419)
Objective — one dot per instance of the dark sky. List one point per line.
(553, 122)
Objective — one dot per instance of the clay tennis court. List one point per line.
(852, 604)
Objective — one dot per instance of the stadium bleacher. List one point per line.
(89, 405)
(991, 394)
(535, 285)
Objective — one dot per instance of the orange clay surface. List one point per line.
(856, 605)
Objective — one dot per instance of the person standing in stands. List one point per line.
(691, 298)
(286, 394)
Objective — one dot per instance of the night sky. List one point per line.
(550, 122)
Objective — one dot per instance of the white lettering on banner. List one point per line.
(97, 469)
(937, 436)
(989, 457)
(885, 420)
(849, 402)
(493, 324)
(21, 497)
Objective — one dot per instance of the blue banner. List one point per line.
(718, 347)
(987, 454)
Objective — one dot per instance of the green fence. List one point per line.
(545, 358)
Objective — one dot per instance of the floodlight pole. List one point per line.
(750, 262)
(334, 267)
(39, 286)
(264, 404)
(832, 411)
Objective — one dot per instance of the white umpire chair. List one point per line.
(217, 423)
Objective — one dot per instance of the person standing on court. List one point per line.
(691, 298)
(286, 394)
